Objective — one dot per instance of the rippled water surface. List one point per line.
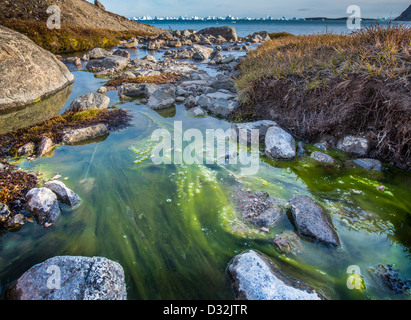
(172, 226)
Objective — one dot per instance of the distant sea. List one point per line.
(245, 28)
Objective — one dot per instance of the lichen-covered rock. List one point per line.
(27, 72)
(254, 277)
(312, 221)
(43, 205)
(15, 222)
(26, 149)
(71, 278)
(4, 213)
(64, 194)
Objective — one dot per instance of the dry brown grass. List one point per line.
(333, 85)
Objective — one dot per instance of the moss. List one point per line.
(69, 38)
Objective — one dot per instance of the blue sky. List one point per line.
(255, 8)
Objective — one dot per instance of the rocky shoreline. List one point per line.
(177, 80)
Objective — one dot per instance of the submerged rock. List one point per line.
(312, 221)
(83, 134)
(15, 222)
(367, 164)
(288, 242)
(71, 278)
(387, 277)
(258, 209)
(90, 101)
(254, 277)
(43, 205)
(64, 194)
(279, 144)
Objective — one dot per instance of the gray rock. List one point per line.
(130, 44)
(26, 149)
(203, 101)
(90, 101)
(354, 145)
(246, 129)
(221, 94)
(227, 32)
(312, 221)
(96, 53)
(83, 134)
(46, 145)
(136, 90)
(279, 144)
(102, 90)
(28, 72)
(322, 157)
(255, 277)
(258, 209)
(111, 62)
(224, 82)
(64, 194)
(365, 163)
(190, 102)
(4, 212)
(300, 149)
(162, 98)
(43, 205)
(71, 278)
(197, 112)
(222, 107)
(15, 222)
(200, 52)
(121, 53)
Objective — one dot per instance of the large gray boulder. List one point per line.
(71, 278)
(90, 101)
(64, 194)
(279, 144)
(43, 205)
(254, 277)
(312, 221)
(227, 32)
(27, 72)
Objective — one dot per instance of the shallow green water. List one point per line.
(173, 229)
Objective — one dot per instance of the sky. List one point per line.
(255, 8)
